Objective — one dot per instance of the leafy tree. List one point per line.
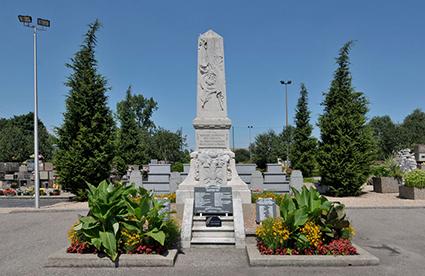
(388, 136)
(167, 145)
(133, 114)
(413, 128)
(242, 156)
(346, 150)
(17, 139)
(303, 150)
(85, 139)
(262, 149)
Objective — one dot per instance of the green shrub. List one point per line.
(177, 167)
(415, 178)
(308, 222)
(123, 219)
(310, 180)
(387, 169)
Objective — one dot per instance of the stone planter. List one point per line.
(63, 259)
(411, 192)
(364, 258)
(386, 184)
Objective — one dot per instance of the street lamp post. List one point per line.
(249, 146)
(26, 20)
(286, 83)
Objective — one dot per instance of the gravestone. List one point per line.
(275, 179)
(257, 181)
(296, 180)
(158, 177)
(136, 177)
(265, 208)
(175, 180)
(245, 171)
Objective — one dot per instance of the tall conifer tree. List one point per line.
(85, 139)
(304, 146)
(346, 150)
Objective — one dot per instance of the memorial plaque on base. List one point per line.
(265, 208)
(213, 200)
(213, 221)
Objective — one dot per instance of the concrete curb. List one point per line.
(63, 259)
(363, 259)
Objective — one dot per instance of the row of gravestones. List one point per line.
(161, 180)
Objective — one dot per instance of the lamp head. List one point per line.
(25, 19)
(43, 22)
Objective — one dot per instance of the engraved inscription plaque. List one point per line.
(213, 199)
(212, 139)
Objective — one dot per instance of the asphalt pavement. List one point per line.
(11, 202)
(396, 236)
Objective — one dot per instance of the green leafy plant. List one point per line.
(415, 178)
(308, 222)
(101, 226)
(144, 217)
(387, 169)
(123, 219)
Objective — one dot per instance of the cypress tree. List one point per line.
(346, 150)
(303, 145)
(85, 139)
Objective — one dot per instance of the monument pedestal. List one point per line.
(186, 188)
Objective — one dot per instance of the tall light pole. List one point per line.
(249, 146)
(42, 24)
(286, 83)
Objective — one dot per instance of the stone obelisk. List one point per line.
(213, 163)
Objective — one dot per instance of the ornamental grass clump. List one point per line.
(309, 224)
(123, 220)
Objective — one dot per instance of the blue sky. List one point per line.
(152, 46)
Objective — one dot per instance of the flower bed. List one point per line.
(309, 225)
(8, 192)
(123, 220)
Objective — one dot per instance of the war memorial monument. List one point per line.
(213, 192)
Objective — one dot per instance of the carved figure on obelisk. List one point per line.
(208, 67)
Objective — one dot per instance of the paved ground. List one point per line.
(396, 236)
(25, 203)
(378, 200)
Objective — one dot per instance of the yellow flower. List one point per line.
(72, 234)
(312, 233)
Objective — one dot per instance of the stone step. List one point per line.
(203, 228)
(203, 218)
(205, 245)
(217, 241)
(218, 235)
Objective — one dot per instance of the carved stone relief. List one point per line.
(213, 167)
(210, 69)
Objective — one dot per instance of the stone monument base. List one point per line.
(239, 188)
